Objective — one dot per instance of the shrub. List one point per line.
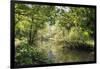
(78, 46)
(26, 54)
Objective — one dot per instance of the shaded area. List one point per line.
(53, 34)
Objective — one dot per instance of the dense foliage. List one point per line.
(37, 27)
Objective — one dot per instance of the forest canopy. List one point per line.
(43, 31)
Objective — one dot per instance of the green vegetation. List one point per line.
(42, 33)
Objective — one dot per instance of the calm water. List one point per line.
(58, 54)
